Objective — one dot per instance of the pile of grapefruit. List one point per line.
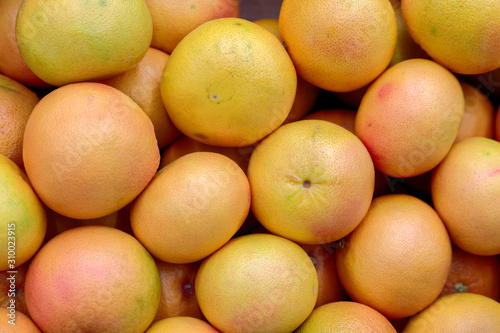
(172, 166)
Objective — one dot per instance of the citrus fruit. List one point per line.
(16, 322)
(312, 181)
(346, 317)
(229, 82)
(329, 287)
(16, 104)
(409, 117)
(479, 114)
(305, 99)
(192, 207)
(71, 41)
(338, 45)
(142, 84)
(184, 145)
(460, 35)
(241, 155)
(178, 296)
(92, 279)
(474, 274)
(23, 222)
(257, 283)
(271, 25)
(181, 324)
(89, 150)
(306, 94)
(346, 119)
(406, 48)
(465, 312)
(12, 289)
(465, 190)
(174, 19)
(11, 62)
(398, 258)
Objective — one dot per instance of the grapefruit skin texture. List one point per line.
(93, 279)
(339, 45)
(257, 283)
(11, 62)
(142, 84)
(346, 316)
(465, 190)
(461, 312)
(398, 258)
(16, 104)
(474, 274)
(479, 115)
(181, 324)
(23, 220)
(89, 150)
(409, 117)
(229, 83)
(174, 19)
(312, 181)
(192, 207)
(73, 41)
(463, 36)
